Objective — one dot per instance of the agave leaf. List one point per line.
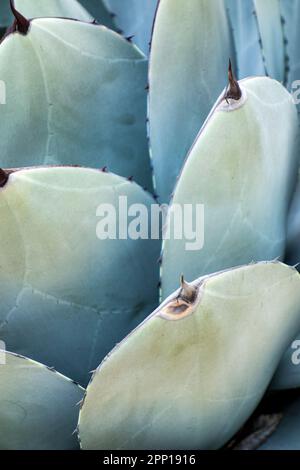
(68, 297)
(37, 406)
(200, 363)
(5, 14)
(293, 241)
(287, 435)
(272, 37)
(189, 55)
(242, 169)
(290, 12)
(288, 373)
(259, 37)
(53, 8)
(134, 18)
(100, 12)
(90, 111)
(249, 56)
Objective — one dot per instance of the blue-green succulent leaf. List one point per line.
(191, 45)
(85, 10)
(199, 364)
(290, 11)
(259, 37)
(74, 95)
(248, 47)
(242, 169)
(272, 37)
(293, 240)
(134, 18)
(5, 14)
(53, 8)
(99, 12)
(37, 406)
(288, 373)
(66, 296)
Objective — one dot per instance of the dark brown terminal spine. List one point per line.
(233, 91)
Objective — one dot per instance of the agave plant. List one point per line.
(75, 132)
(211, 386)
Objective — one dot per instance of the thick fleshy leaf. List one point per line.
(290, 11)
(199, 365)
(287, 435)
(53, 8)
(288, 373)
(191, 45)
(66, 296)
(248, 47)
(272, 36)
(38, 407)
(134, 18)
(293, 241)
(259, 37)
(90, 111)
(5, 14)
(100, 12)
(242, 169)
(85, 10)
